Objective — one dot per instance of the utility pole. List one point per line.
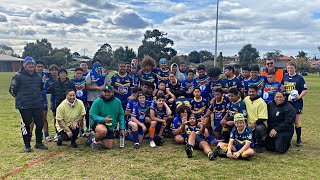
(216, 43)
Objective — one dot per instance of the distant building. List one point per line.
(10, 63)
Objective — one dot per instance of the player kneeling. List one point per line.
(194, 137)
(138, 119)
(240, 143)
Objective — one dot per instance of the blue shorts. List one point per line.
(298, 105)
(218, 128)
(199, 138)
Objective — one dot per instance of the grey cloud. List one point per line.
(128, 19)
(100, 4)
(58, 16)
(23, 11)
(3, 18)
(27, 32)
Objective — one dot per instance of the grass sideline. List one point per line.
(166, 162)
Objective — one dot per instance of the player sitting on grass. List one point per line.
(194, 137)
(158, 115)
(240, 143)
(139, 117)
(182, 112)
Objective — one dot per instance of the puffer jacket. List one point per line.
(27, 90)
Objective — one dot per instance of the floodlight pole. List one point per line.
(216, 43)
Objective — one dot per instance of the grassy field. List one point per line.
(166, 162)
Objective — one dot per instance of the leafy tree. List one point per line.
(123, 54)
(194, 56)
(105, 54)
(206, 55)
(303, 64)
(4, 49)
(156, 45)
(65, 51)
(248, 55)
(302, 54)
(273, 55)
(76, 54)
(38, 49)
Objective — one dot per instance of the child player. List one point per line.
(271, 87)
(219, 110)
(235, 105)
(81, 94)
(257, 80)
(139, 117)
(295, 88)
(245, 74)
(188, 84)
(158, 115)
(216, 82)
(240, 143)
(198, 104)
(194, 136)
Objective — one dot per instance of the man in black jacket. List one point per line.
(26, 88)
(281, 116)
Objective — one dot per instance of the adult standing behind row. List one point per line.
(281, 116)
(26, 88)
(270, 66)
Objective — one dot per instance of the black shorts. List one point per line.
(109, 133)
(298, 105)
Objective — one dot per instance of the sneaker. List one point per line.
(74, 144)
(90, 139)
(211, 156)
(299, 143)
(152, 144)
(84, 135)
(27, 149)
(48, 138)
(189, 150)
(121, 141)
(55, 138)
(40, 146)
(136, 145)
(59, 141)
(216, 151)
(259, 149)
(95, 146)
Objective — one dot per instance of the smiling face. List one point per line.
(30, 67)
(270, 64)
(279, 98)
(78, 74)
(252, 93)
(240, 125)
(84, 66)
(192, 121)
(71, 96)
(291, 70)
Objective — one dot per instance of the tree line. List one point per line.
(155, 43)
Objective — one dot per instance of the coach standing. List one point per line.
(26, 88)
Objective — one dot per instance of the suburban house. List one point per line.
(10, 63)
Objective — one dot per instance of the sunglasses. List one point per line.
(271, 63)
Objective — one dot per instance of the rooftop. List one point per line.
(4, 57)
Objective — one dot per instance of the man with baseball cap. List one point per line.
(105, 113)
(26, 88)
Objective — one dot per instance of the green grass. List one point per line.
(166, 162)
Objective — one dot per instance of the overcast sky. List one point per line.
(287, 25)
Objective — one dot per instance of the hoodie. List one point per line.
(179, 75)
